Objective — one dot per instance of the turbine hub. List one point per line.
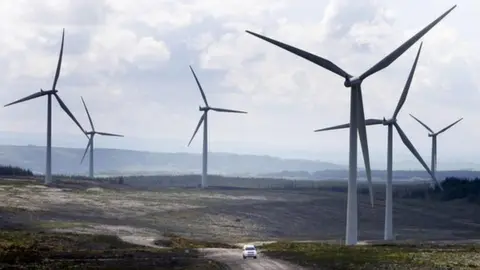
(200, 108)
(349, 82)
(389, 121)
(430, 135)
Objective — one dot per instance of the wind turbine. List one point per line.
(203, 119)
(49, 93)
(357, 116)
(434, 141)
(91, 135)
(390, 123)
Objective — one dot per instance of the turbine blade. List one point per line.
(198, 126)
(108, 134)
(368, 122)
(421, 123)
(86, 149)
(32, 96)
(385, 62)
(362, 134)
(415, 153)
(449, 126)
(88, 114)
(199, 86)
(65, 108)
(59, 64)
(306, 55)
(226, 110)
(403, 97)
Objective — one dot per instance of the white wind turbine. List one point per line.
(357, 116)
(434, 141)
(203, 119)
(91, 135)
(390, 123)
(49, 93)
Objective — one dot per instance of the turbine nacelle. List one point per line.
(48, 91)
(352, 81)
(390, 121)
(431, 135)
(203, 109)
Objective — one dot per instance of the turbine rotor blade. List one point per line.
(306, 55)
(59, 64)
(86, 149)
(109, 134)
(385, 62)
(65, 108)
(32, 96)
(199, 86)
(198, 126)
(403, 97)
(88, 114)
(368, 122)
(226, 110)
(421, 123)
(449, 126)
(414, 151)
(362, 134)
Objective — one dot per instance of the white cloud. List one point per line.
(129, 60)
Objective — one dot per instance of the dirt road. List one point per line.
(233, 258)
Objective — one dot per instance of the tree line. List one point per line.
(8, 170)
(454, 188)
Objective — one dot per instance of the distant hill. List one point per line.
(128, 162)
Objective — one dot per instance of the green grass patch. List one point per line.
(48, 250)
(176, 241)
(336, 257)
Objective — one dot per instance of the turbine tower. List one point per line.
(91, 135)
(357, 116)
(49, 93)
(203, 119)
(434, 141)
(390, 123)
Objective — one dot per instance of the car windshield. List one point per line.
(250, 248)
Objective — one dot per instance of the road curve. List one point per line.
(233, 259)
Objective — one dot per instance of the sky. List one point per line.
(129, 61)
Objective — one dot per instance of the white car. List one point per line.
(249, 251)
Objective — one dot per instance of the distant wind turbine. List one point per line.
(390, 123)
(357, 115)
(91, 135)
(203, 119)
(49, 93)
(434, 141)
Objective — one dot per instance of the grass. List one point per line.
(176, 241)
(408, 257)
(47, 250)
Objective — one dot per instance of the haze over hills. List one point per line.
(120, 162)
(130, 162)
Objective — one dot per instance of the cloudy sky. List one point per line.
(129, 60)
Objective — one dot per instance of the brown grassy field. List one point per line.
(33, 249)
(144, 216)
(225, 215)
